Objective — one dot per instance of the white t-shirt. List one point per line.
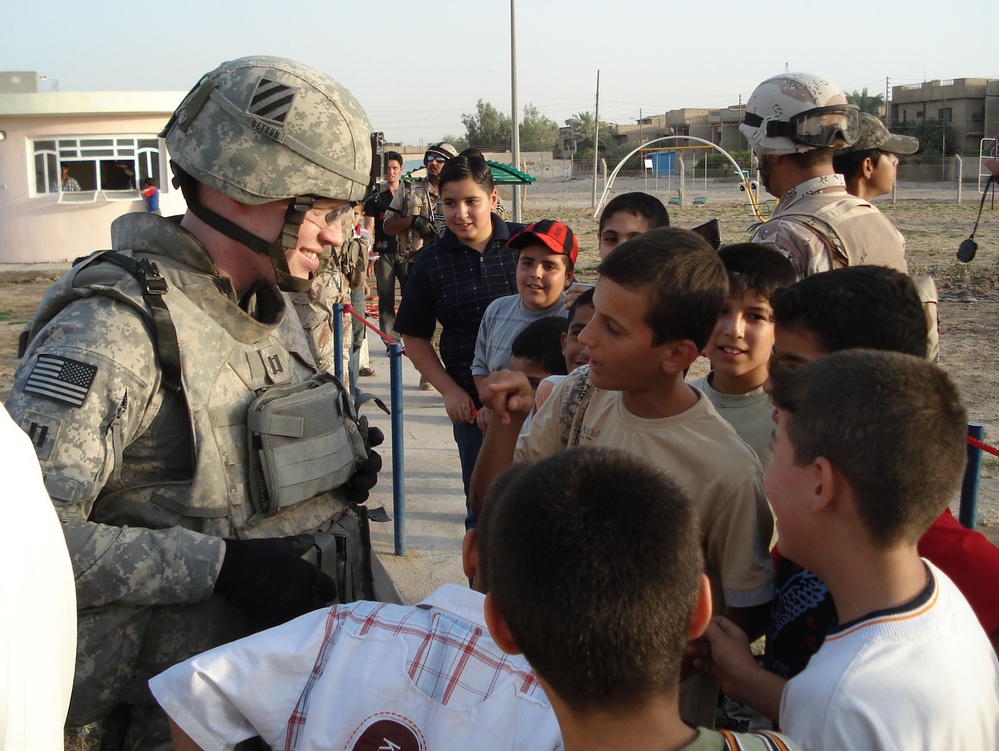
(38, 614)
(423, 677)
(920, 677)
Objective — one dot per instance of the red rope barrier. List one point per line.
(384, 337)
(983, 446)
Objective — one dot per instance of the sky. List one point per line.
(417, 67)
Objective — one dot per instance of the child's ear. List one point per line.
(498, 628)
(493, 200)
(568, 276)
(679, 356)
(562, 337)
(828, 484)
(701, 616)
(470, 554)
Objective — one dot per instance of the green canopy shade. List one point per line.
(503, 174)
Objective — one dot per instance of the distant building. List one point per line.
(970, 105)
(108, 143)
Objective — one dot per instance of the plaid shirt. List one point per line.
(365, 675)
(453, 284)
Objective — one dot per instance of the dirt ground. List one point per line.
(928, 215)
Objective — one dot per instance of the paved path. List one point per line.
(435, 502)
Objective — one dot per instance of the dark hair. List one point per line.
(148, 182)
(599, 604)
(466, 167)
(849, 164)
(892, 423)
(471, 152)
(757, 267)
(686, 282)
(394, 156)
(871, 307)
(812, 157)
(642, 205)
(584, 300)
(541, 343)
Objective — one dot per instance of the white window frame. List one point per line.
(143, 151)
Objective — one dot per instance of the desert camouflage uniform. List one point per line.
(864, 234)
(146, 480)
(415, 199)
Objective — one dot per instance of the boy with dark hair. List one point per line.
(574, 353)
(368, 675)
(868, 449)
(627, 216)
(870, 307)
(742, 340)
(537, 350)
(655, 306)
(610, 687)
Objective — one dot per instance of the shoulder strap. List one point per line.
(823, 222)
(154, 287)
(572, 409)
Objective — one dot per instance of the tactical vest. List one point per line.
(225, 358)
(849, 239)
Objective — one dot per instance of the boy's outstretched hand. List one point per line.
(726, 656)
(507, 393)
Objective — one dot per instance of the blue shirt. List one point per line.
(453, 284)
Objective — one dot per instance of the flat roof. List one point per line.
(91, 103)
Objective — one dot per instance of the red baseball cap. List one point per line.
(552, 234)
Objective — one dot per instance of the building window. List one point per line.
(945, 114)
(115, 165)
(919, 115)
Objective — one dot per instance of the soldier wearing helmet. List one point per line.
(794, 123)
(415, 214)
(139, 374)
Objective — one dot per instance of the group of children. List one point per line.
(629, 544)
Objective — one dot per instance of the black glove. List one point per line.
(359, 486)
(268, 581)
(425, 229)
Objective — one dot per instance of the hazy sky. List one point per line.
(416, 67)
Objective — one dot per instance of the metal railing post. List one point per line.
(398, 452)
(968, 511)
(338, 341)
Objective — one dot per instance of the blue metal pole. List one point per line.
(398, 453)
(338, 341)
(968, 511)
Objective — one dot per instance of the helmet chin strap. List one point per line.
(275, 251)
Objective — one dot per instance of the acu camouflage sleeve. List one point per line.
(88, 385)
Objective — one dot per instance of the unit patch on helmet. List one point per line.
(272, 101)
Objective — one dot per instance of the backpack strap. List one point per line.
(572, 409)
(823, 223)
(154, 287)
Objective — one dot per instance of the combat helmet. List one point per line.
(441, 148)
(797, 112)
(261, 129)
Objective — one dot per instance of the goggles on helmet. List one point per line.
(836, 126)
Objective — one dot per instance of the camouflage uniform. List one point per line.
(820, 227)
(144, 479)
(415, 199)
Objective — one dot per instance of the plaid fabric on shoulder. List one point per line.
(451, 661)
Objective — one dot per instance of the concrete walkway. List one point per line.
(435, 501)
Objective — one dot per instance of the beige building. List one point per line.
(970, 105)
(108, 143)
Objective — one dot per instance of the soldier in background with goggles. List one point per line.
(794, 123)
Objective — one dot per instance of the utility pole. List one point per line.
(596, 142)
(515, 118)
(887, 117)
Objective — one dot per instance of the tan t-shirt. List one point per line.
(702, 452)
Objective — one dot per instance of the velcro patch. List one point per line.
(61, 378)
(43, 430)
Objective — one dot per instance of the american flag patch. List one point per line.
(61, 379)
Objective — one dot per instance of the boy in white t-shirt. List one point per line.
(868, 449)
